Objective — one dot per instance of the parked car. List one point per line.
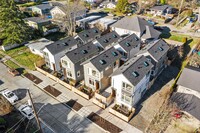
(13, 72)
(10, 96)
(26, 111)
(2, 124)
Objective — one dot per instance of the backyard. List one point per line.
(23, 56)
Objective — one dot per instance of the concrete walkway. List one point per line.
(88, 106)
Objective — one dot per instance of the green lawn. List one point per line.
(28, 4)
(1, 56)
(24, 57)
(11, 64)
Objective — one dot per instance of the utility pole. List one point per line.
(36, 116)
(179, 12)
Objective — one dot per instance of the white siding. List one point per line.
(186, 90)
(125, 32)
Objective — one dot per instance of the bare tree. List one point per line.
(72, 9)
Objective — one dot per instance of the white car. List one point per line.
(26, 111)
(10, 96)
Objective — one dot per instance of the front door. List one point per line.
(65, 73)
(54, 67)
(97, 85)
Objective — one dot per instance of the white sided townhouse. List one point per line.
(56, 50)
(98, 69)
(128, 46)
(71, 61)
(131, 81)
(156, 52)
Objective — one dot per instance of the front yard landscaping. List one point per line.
(11, 64)
(75, 105)
(53, 91)
(33, 78)
(24, 57)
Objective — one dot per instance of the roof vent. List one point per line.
(105, 40)
(114, 53)
(160, 48)
(115, 36)
(135, 74)
(146, 64)
(84, 52)
(102, 62)
(128, 44)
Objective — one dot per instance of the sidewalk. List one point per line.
(88, 106)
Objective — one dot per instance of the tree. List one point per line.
(163, 2)
(5, 106)
(13, 28)
(122, 6)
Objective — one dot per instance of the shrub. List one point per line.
(184, 40)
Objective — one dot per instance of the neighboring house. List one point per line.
(41, 24)
(56, 50)
(128, 46)
(37, 22)
(98, 69)
(131, 81)
(60, 11)
(107, 40)
(37, 46)
(156, 52)
(72, 60)
(161, 10)
(111, 5)
(189, 81)
(188, 103)
(93, 1)
(137, 25)
(88, 35)
(104, 23)
(42, 9)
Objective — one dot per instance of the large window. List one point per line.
(45, 54)
(91, 81)
(126, 87)
(66, 63)
(93, 72)
(126, 98)
(69, 73)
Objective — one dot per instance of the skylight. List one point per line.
(102, 62)
(95, 31)
(85, 35)
(127, 44)
(114, 53)
(105, 40)
(160, 48)
(146, 64)
(135, 74)
(84, 51)
(115, 36)
(136, 38)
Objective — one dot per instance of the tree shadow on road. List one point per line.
(21, 92)
(61, 118)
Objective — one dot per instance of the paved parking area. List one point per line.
(55, 116)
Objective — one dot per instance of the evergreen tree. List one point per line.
(13, 29)
(122, 6)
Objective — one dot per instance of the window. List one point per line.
(69, 73)
(91, 81)
(126, 98)
(78, 74)
(45, 53)
(126, 87)
(114, 65)
(66, 63)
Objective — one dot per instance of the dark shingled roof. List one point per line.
(156, 48)
(135, 69)
(190, 78)
(130, 42)
(188, 103)
(61, 45)
(37, 19)
(105, 58)
(132, 23)
(82, 52)
(108, 39)
(160, 8)
(150, 33)
(44, 6)
(89, 34)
